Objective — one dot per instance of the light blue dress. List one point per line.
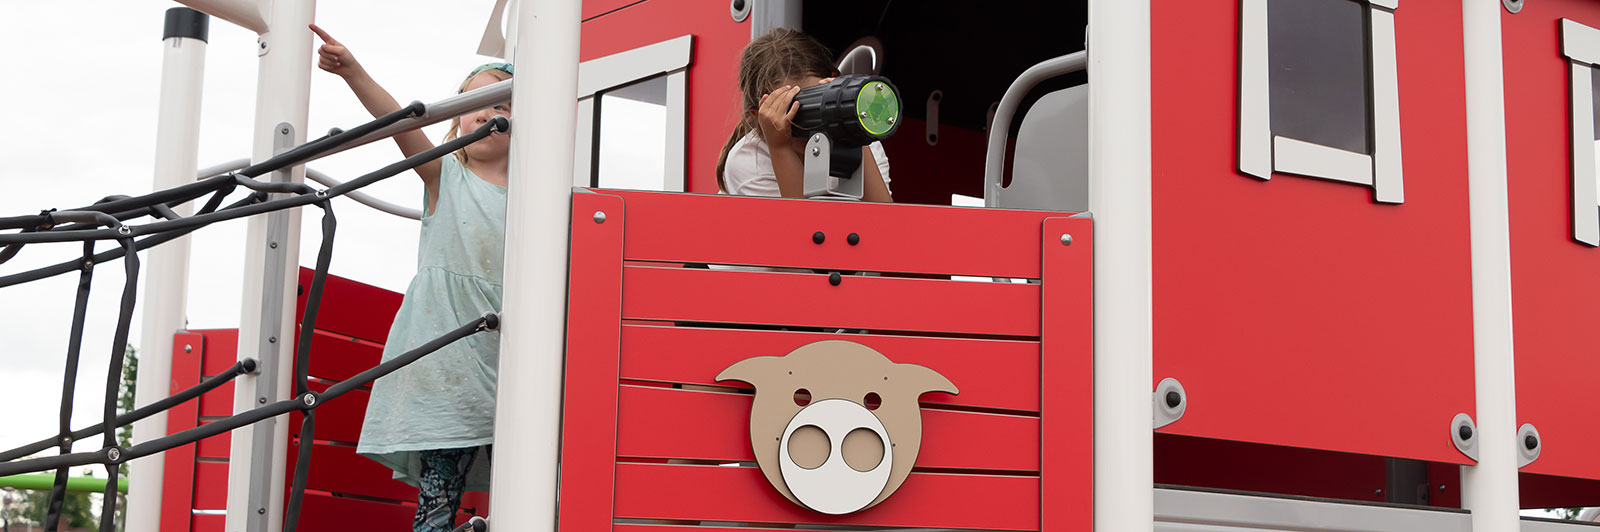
(445, 399)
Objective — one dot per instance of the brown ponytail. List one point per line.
(783, 54)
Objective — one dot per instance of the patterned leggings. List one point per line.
(444, 475)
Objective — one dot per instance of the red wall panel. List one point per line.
(1297, 311)
(1555, 281)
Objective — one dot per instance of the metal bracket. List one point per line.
(932, 127)
(1464, 433)
(1168, 403)
(818, 184)
(1528, 444)
(740, 9)
(1514, 6)
(261, 46)
(268, 346)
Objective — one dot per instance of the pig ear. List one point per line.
(927, 380)
(749, 370)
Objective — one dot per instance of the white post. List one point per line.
(283, 92)
(1489, 489)
(183, 64)
(533, 328)
(1119, 197)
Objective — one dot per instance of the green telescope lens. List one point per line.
(853, 110)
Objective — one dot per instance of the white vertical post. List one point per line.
(538, 206)
(1119, 197)
(1489, 489)
(283, 92)
(183, 65)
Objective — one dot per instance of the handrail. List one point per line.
(994, 164)
(326, 180)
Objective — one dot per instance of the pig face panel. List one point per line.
(829, 452)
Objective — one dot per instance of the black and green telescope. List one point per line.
(838, 118)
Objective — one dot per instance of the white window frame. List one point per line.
(670, 58)
(1261, 152)
(1581, 46)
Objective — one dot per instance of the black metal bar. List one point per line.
(306, 151)
(145, 243)
(212, 429)
(239, 368)
(181, 193)
(372, 374)
(69, 382)
(498, 124)
(58, 462)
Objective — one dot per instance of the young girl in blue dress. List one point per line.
(432, 421)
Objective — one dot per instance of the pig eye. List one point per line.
(802, 397)
(872, 401)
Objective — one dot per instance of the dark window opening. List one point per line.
(1319, 72)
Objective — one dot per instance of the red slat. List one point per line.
(210, 486)
(339, 420)
(217, 402)
(808, 300)
(1067, 349)
(178, 463)
(320, 512)
(337, 469)
(778, 232)
(713, 493)
(216, 446)
(339, 357)
(990, 373)
(206, 523)
(668, 423)
(351, 308)
(222, 350)
(589, 418)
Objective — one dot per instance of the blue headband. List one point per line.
(503, 67)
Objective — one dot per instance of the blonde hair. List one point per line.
(455, 123)
(780, 55)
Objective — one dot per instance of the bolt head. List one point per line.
(818, 237)
(114, 454)
(1531, 442)
(273, 245)
(879, 87)
(261, 400)
(1465, 432)
(834, 279)
(1174, 399)
(188, 348)
(272, 339)
(124, 230)
(1066, 240)
(891, 120)
(863, 114)
(309, 400)
(261, 511)
(599, 217)
(815, 151)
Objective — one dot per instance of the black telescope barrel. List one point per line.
(853, 110)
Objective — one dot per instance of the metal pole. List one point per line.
(538, 206)
(1119, 197)
(272, 245)
(166, 279)
(1489, 489)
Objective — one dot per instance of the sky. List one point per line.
(81, 126)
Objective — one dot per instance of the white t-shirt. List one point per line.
(748, 170)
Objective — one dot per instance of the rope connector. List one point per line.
(491, 322)
(248, 366)
(124, 230)
(501, 124)
(417, 108)
(113, 455)
(309, 399)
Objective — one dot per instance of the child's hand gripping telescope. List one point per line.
(838, 118)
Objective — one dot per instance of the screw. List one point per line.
(599, 217)
(124, 230)
(284, 131)
(262, 511)
(113, 454)
(309, 400)
(818, 237)
(1066, 240)
(879, 87)
(1531, 442)
(853, 239)
(1377, 492)
(891, 120)
(263, 44)
(1465, 432)
(834, 279)
(88, 264)
(66, 440)
(272, 339)
(188, 348)
(815, 151)
(322, 193)
(262, 400)
(1174, 399)
(1441, 488)
(273, 245)
(863, 114)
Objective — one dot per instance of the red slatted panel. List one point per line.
(206, 523)
(989, 369)
(668, 423)
(222, 348)
(896, 238)
(676, 528)
(589, 419)
(351, 308)
(210, 485)
(879, 303)
(214, 447)
(321, 512)
(338, 420)
(178, 463)
(1067, 349)
(338, 357)
(217, 402)
(713, 493)
(337, 469)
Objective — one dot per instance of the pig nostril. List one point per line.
(802, 397)
(872, 401)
